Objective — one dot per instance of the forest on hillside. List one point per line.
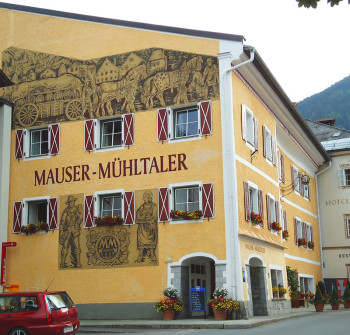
(332, 102)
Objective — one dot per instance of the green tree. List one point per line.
(314, 3)
(293, 283)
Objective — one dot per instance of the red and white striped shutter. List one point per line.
(205, 117)
(208, 200)
(285, 224)
(129, 129)
(295, 231)
(19, 144)
(163, 204)
(163, 124)
(256, 133)
(54, 133)
(53, 213)
(246, 201)
(129, 207)
(89, 203)
(268, 211)
(89, 134)
(273, 149)
(261, 205)
(277, 211)
(264, 140)
(17, 217)
(311, 234)
(244, 124)
(283, 173)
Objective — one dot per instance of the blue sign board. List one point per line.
(198, 299)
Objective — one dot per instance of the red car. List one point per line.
(37, 313)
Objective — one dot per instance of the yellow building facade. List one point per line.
(148, 157)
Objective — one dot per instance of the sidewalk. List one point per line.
(208, 323)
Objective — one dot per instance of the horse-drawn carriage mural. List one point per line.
(50, 88)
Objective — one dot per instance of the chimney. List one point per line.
(328, 122)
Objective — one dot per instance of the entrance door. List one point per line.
(258, 291)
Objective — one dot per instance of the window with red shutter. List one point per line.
(208, 200)
(19, 144)
(17, 217)
(129, 207)
(163, 204)
(89, 202)
(205, 117)
(89, 134)
(129, 129)
(54, 134)
(163, 124)
(53, 213)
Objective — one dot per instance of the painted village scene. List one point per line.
(50, 88)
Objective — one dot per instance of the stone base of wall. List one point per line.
(275, 307)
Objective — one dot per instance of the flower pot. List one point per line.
(335, 306)
(220, 315)
(295, 303)
(346, 304)
(281, 295)
(274, 295)
(168, 315)
(301, 303)
(319, 306)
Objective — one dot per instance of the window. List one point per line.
(195, 200)
(184, 123)
(344, 177)
(253, 203)
(110, 133)
(34, 210)
(347, 225)
(268, 144)
(306, 283)
(306, 191)
(38, 142)
(250, 127)
(111, 205)
(295, 179)
(273, 211)
(276, 276)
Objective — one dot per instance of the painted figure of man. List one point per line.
(147, 230)
(211, 77)
(70, 226)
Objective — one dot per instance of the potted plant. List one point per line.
(275, 292)
(184, 215)
(32, 228)
(256, 219)
(334, 299)
(319, 300)
(311, 245)
(293, 284)
(170, 304)
(281, 291)
(276, 226)
(285, 234)
(302, 242)
(221, 305)
(346, 297)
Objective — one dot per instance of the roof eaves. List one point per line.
(269, 77)
(123, 23)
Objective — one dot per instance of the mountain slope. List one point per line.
(332, 102)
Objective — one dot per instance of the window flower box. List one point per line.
(32, 228)
(195, 215)
(276, 226)
(285, 234)
(256, 219)
(311, 245)
(108, 221)
(302, 242)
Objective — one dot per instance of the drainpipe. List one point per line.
(234, 270)
(318, 212)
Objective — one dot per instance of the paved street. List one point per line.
(329, 323)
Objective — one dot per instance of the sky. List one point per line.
(306, 49)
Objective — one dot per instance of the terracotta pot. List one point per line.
(274, 296)
(295, 303)
(301, 303)
(168, 315)
(335, 306)
(281, 295)
(346, 304)
(220, 315)
(319, 306)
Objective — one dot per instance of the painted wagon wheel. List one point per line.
(74, 110)
(28, 115)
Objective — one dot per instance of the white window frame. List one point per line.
(311, 282)
(98, 134)
(279, 165)
(279, 275)
(172, 188)
(347, 225)
(268, 143)
(282, 223)
(296, 180)
(171, 121)
(249, 127)
(99, 194)
(27, 141)
(273, 215)
(253, 201)
(308, 231)
(26, 203)
(306, 191)
(299, 227)
(342, 177)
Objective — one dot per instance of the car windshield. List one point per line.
(59, 300)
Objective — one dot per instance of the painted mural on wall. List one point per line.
(108, 246)
(50, 88)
